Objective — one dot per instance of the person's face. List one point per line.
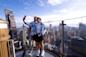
(35, 19)
(39, 20)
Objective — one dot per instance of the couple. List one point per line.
(37, 31)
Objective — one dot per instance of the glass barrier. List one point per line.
(68, 38)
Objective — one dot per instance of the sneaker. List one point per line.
(37, 56)
(41, 56)
(42, 53)
(30, 54)
(38, 53)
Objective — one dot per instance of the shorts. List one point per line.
(37, 38)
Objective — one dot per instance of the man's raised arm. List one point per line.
(24, 20)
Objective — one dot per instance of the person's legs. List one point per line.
(42, 45)
(37, 48)
(42, 48)
(37, 45)
(32, 44)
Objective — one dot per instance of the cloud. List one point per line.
(51, 19)
(74, 8)
(77, 8)
(55, 2)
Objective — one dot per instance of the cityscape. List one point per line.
(65, 28)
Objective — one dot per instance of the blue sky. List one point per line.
(48, 10)
(29, 7)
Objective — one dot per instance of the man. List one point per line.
(37, 31)
(31, 33)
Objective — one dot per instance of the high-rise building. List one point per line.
(11, 23)
(82, 30)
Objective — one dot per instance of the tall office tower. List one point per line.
(11, 23)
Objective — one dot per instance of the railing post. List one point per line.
(11, 48)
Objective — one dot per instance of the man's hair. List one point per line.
(35, 17)
(38, 18)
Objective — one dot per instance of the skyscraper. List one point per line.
(11, 23)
